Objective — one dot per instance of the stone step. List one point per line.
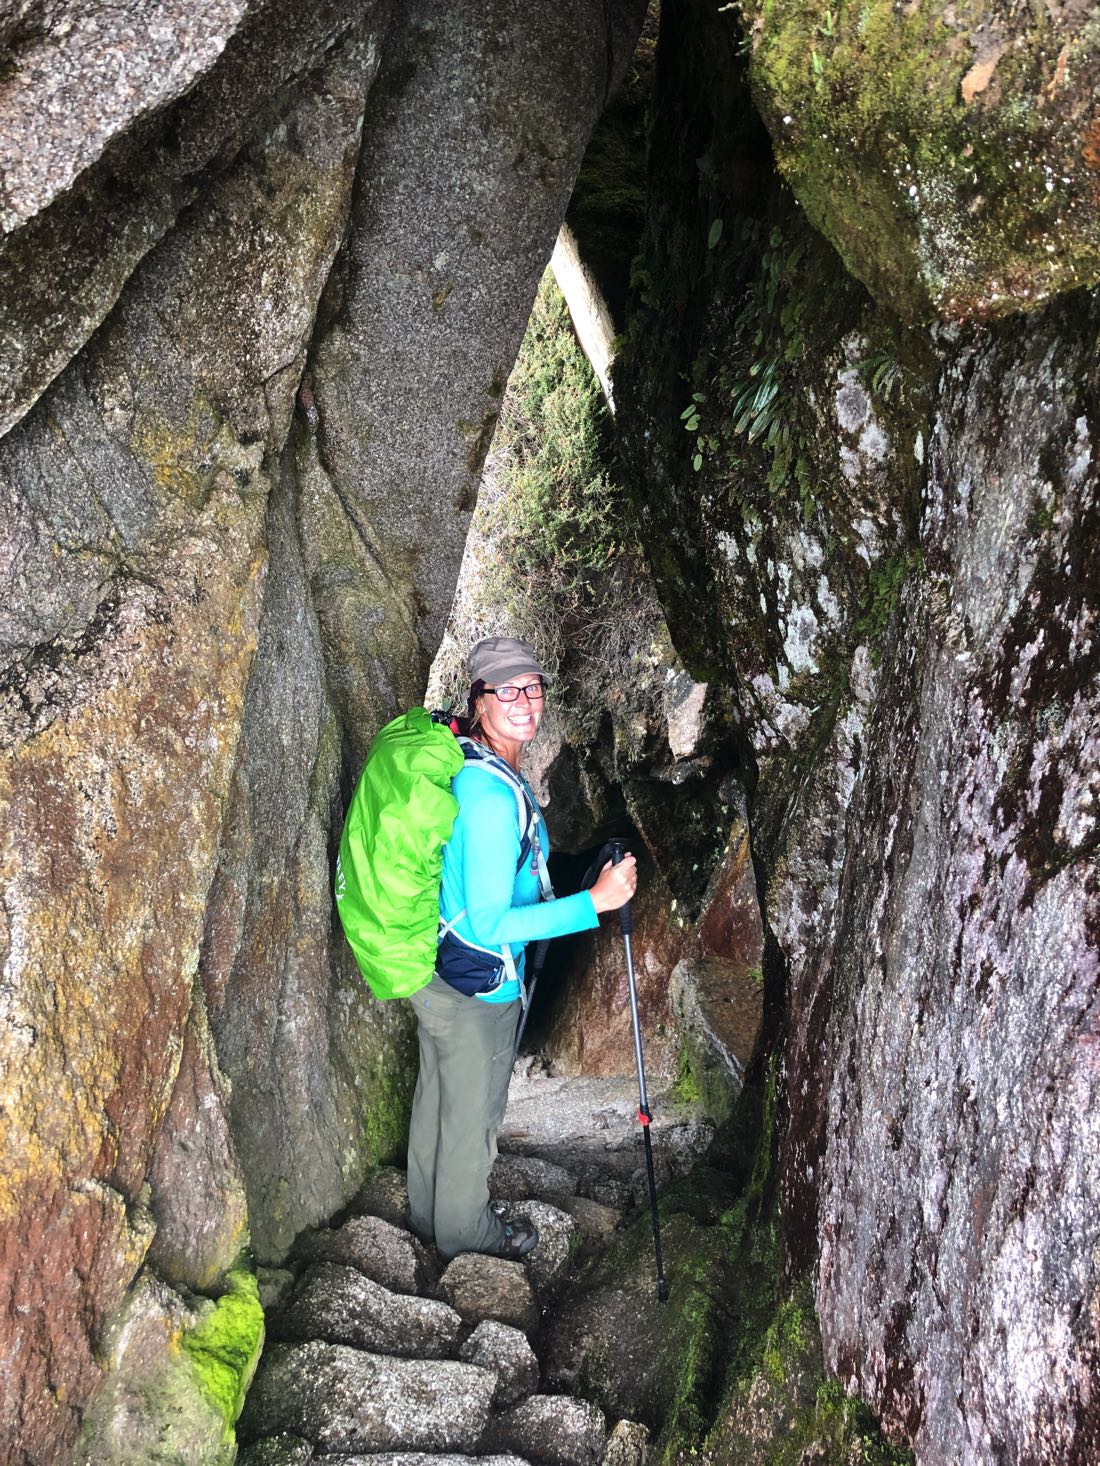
(481, 1287)
(507, 1352)
(554, 1429)
(342, 1306)
(526, 1178)
(345, 1400)
(387, 1254)
(557, 1230)
(589, 1127)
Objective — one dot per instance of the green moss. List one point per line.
(553, 515)
(700, 1355)
(934, 202)
(387, 1107)
(225, 1346)
(685, 1090)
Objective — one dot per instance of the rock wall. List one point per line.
(893, 525)
(963, 1038)
(265, 273)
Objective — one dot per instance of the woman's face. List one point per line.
(512, 722)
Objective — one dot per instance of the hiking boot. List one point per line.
(520, 1238)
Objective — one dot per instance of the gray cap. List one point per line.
(496, 658)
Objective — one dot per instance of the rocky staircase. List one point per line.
(379, 1351)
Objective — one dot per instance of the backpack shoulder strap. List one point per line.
(527, 814)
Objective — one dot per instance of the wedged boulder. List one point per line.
(445, 252)
(557, 1235)
(899, 130)
(342, 1306)
(508, 1354)
(385, 1194)
(345, 1400)
(481, 1287)
(385, 1254)
(554, 1429)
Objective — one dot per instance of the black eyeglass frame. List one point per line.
(534, 692)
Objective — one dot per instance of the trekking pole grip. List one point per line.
(626, 916)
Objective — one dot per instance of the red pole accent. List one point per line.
(643, 1117)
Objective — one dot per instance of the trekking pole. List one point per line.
(626, 924)
(538, 957)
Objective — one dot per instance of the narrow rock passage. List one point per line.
(380, 1350)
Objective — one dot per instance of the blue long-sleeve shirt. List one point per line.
(479, 874)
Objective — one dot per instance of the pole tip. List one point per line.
(662, 1290)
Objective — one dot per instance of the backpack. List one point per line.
(390, 862)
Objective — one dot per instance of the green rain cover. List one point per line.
(391, 853)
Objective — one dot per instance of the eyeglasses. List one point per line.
(508, 693)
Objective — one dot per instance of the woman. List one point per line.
(490, 899)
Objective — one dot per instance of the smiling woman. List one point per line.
(495, 897)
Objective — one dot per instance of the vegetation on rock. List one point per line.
(950, 155)
(224, 1346)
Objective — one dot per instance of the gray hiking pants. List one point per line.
(461, 1094)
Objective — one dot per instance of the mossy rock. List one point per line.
(632, 1354)
(785, 1411)
(951, 154)
(177, 1372)
(224, 1346)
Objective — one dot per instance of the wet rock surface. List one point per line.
(971, 1014)
(720, 1007)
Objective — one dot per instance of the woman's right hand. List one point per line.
(615, 884)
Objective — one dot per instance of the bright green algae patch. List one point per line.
(224, 1348)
